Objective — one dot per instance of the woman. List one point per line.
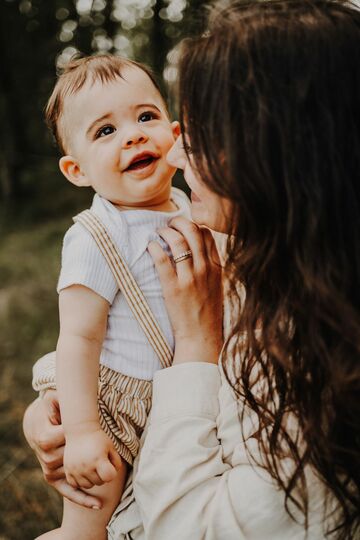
(267, 444)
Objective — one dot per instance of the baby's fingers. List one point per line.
(84, 478)
(106, 470)
(84, 482)
(94, 479)
(115, 459)
(72, 480)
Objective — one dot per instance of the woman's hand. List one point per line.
(192, 290)
(45, 436)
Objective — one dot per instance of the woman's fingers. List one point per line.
(178, 247)
(52, 459)
(200, 240)
(190, 236)
(52, 475)
(163, 265)
(190, 232)
(45, 438)
(203, 266)
(76, 495)
(39, 430)
(51, 401)
(50, 437)
(48, 440)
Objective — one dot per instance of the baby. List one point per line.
(113, 129)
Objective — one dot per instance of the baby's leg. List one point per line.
(85, 523)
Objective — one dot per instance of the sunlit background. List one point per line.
(36, 203)
(39, 35)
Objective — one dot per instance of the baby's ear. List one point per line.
(175, 126)
(70, 168)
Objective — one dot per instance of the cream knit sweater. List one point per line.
(193, 479)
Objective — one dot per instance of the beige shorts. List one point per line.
(124, 404)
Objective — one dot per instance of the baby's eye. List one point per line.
(104, 131)
(147, 116)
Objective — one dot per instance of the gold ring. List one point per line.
(183, 256)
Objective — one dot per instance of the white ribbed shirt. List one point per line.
(125, 348)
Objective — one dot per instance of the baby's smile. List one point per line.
(142, 161)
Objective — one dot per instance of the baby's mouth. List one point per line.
(141, 163)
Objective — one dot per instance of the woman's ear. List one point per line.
(175, 126)
(70, 168)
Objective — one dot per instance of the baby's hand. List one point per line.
(90, 458)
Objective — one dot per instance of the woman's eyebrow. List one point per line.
(97, 121)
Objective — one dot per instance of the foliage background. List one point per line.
(36, 204)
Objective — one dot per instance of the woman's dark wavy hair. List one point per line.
(270, 101)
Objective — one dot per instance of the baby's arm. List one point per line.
(90, 457)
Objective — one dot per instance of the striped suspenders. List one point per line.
(127, 285)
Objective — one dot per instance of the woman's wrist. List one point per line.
(190, 388)
(195, 350)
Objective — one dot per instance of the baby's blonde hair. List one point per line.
(103, 67)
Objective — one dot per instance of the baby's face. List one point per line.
(119, 134)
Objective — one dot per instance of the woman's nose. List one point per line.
(176, 155)
(133, 138)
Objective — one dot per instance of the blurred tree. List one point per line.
(36, 36)
(28, 45)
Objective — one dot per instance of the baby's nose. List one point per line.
(135, 138)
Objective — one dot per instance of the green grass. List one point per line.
(29, 266)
